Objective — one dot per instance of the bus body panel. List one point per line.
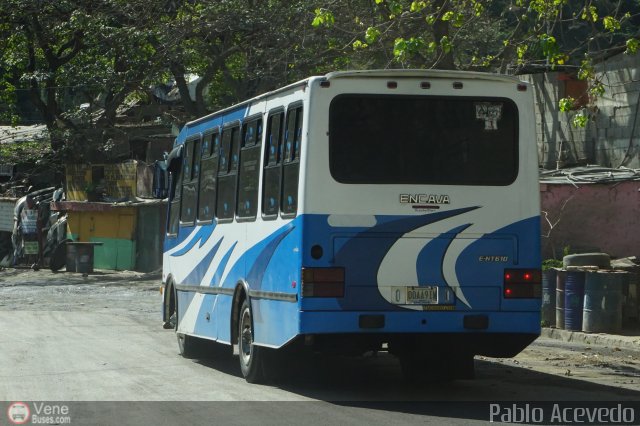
(225, 262)
(370, 263)
(218, 257)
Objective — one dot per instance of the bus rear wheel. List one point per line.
(251, 356)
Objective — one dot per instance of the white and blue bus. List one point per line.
(392, 210)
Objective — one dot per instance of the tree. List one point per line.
(101, 53)
(68, 52)
(502, 35)
(240, 48)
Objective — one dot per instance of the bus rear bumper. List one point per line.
(499, 334)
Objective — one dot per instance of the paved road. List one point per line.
(94, 340)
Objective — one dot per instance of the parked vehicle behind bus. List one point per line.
(362, 210)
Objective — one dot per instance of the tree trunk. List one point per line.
(183, 88)
(440, 30)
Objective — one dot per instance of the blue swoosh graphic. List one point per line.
(195, 277)
(395, 230)
(202, 235)
(434, 250)
(222, 265)
(256, 273)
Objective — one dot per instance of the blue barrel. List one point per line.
(548, 309)
(573, 300)
(603, 302)
(561, 276)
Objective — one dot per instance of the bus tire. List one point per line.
(188, 346)
(601, 260)
(251, 356)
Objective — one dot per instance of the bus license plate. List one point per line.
(422, 295)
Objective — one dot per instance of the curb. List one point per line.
(599, 339)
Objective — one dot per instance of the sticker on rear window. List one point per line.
(490, 113)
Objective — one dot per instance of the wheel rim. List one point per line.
(246, 337)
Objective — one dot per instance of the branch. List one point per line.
(553, 225)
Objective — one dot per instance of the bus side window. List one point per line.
(175, 192)
(272, 165)
(225, 147)
(228, 172)
(191, 170)
(208, 176)
(249, 173)
(293, 137)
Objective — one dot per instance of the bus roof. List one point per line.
(418, 73)
(365, 74)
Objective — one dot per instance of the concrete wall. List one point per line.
(617, 120)
(611, 138)
(557, 139)
(595, 217)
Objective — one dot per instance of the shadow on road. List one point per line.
(376, 382)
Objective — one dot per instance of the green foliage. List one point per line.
(580, 119)
(566, 104)
(405, 47)
(632, 46)
(596, 89)
(551, 263)
(417, 6)
(323, 17)
(522, 51)
(358, 44)
(610, 23)
(498, 35)
(107, 52)
(447, 45)
(28, 152)
(372, 34)
(590, 14)
(586, 70)
(110, 52)
(8, 97)
(551, 50)
(546, 9)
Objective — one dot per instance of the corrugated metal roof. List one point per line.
(10, 134)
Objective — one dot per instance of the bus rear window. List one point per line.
(382, 139)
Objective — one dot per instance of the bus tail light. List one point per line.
(322, 282)
(522, 283)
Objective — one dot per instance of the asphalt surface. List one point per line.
(65, 337)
